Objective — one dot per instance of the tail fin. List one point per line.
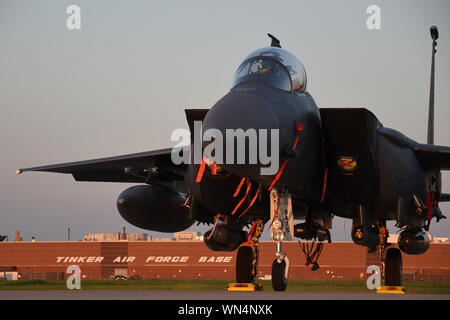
(430, 137)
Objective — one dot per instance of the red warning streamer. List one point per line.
(238, 188)
(278, 175)
(245, 196)
(430, 206)
(327, 230)
(200, 171)
(324, 189)
(276, 212)
(280, 172)
(250, 233)
(215, 225)
(251, 203)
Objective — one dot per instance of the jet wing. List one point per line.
(154, 167)
(434, 156)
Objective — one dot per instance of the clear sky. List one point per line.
(120, 84)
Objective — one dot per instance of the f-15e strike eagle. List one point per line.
(333, 161)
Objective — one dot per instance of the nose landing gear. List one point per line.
(280, 270)
(282, 226)
(282, 223)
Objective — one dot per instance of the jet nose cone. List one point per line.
(241, 110)
(249, 129)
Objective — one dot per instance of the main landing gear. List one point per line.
(391, 261)
(248, 255)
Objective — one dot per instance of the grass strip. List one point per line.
(202, 285)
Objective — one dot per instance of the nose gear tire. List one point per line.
(279, 281)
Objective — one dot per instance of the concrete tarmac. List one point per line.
(204, 295)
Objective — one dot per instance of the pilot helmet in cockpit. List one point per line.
(275, 67)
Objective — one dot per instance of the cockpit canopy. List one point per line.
(274, 66)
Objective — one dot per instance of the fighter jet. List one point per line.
(323, 162)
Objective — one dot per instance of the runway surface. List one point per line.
(205, 295)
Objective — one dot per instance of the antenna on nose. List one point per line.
(275, 42)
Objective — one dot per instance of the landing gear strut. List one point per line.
(282, 223)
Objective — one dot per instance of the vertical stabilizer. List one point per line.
(430, 137)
